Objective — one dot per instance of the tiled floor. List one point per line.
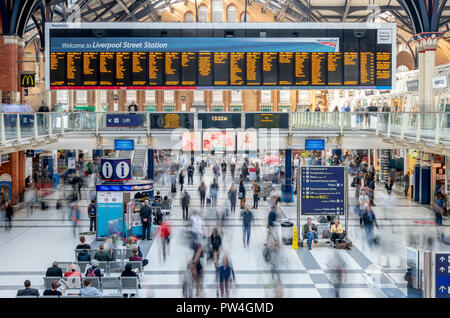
(37, 240)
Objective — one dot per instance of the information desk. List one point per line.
(115, 202)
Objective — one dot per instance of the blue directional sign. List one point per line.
(442, 268)
(123, 144)
(323, 190)
(124, 120)
(314, 144)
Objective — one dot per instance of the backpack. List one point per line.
(92, 210)
(91, 272)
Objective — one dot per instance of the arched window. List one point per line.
(202, 14)
(217, 10)
(231, 14)
(189, 17)
(243, 15)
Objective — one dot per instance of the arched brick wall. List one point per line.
(405, 58)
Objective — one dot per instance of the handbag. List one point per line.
(241, 195)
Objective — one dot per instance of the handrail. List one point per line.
(435, 126)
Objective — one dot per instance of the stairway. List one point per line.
(139, 163)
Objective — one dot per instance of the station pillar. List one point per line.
(151, 164)
(11, 53)
(426, 47)
(287, 189)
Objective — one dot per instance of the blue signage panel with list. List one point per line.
(323, 190)
(442, 270)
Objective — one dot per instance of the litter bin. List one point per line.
(286, 232)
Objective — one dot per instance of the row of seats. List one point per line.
(107, 267)
(72, 296)
(120, 285)
(119, 253)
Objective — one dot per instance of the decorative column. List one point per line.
(426, 46)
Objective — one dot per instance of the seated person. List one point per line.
(94, 270)
(136, 257)
(89, 290)
(337, 232)
(54, 290)
(128, 272)
(27, 291)
(165, 205)
(84, 256)
(72, 271)
(54, 271)
(103, 255)
(83, 244)
(157, 196)
(310, 232)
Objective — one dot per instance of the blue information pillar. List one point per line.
(425, 184)
(416, 188)
(151, 164)
(287, 191)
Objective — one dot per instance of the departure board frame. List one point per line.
(373, 43)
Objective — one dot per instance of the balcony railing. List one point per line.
(16, 127)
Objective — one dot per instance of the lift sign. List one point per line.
(442, 263)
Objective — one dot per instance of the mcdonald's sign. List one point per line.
(27, 80)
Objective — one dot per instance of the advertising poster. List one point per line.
(109, 213)
(247, 141)
(218, 141)
(191, 141)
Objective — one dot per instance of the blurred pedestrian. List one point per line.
(164, 235)
(75, 215)
(146, 214)
(225, 277)
(216, 244)
(202, 193)
(214, 190)
(439, 208)
(188, 281)
(247, 219)
(232, 196)
(181, 180)
(9, 213)
(185, 201)
(256, 191)
(368, 221)
(242, 194)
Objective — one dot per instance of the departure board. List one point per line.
(189, 68)
(367, 68)
(156, 68)
(139, 67)
(74, 69)
(237, 69)
(106, 70)
(270, 69)
(57, 68)
(286, 64)
(227, 57)
(90, 62)
(221, 68)
(318, 69)
(205, 70)
(302, 69)
(254, 64)
(351, 68)
(335, 69)
(123, 68)
(172, 68)
(383, 69)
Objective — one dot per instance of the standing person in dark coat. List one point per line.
(181, 180)
(145, 213)
(9, 213)
(190, 171)
(185, 200)
(54, 271)
(247, 219)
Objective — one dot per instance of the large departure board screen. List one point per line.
(338, 55)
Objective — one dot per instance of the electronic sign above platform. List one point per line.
(229, 55)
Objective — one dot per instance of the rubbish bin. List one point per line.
(286, 232)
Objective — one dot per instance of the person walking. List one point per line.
(232, 170)
(242, 194)
(190, 171)
(185, 200)
(216, 243)
(173, 184)
(145, 212)
(216, 170)
(9, 213)
(367, 221)
(225, 276)
(202, 193)
(181, 180)
(439, 208)
(406, 183)
(201, 169)
(232, 196)
(388, 185)
(188, 281)
(224, 170)
(164, 234)
(256, 190)
(411, 183)
(92, 213)
(247, 219)
(214, 190)
(75, 217)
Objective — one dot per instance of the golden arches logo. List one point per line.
(27, 80)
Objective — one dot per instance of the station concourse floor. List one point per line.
(36, 240)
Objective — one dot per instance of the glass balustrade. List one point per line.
(427, 125)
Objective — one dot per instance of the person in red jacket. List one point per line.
(164, 234)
